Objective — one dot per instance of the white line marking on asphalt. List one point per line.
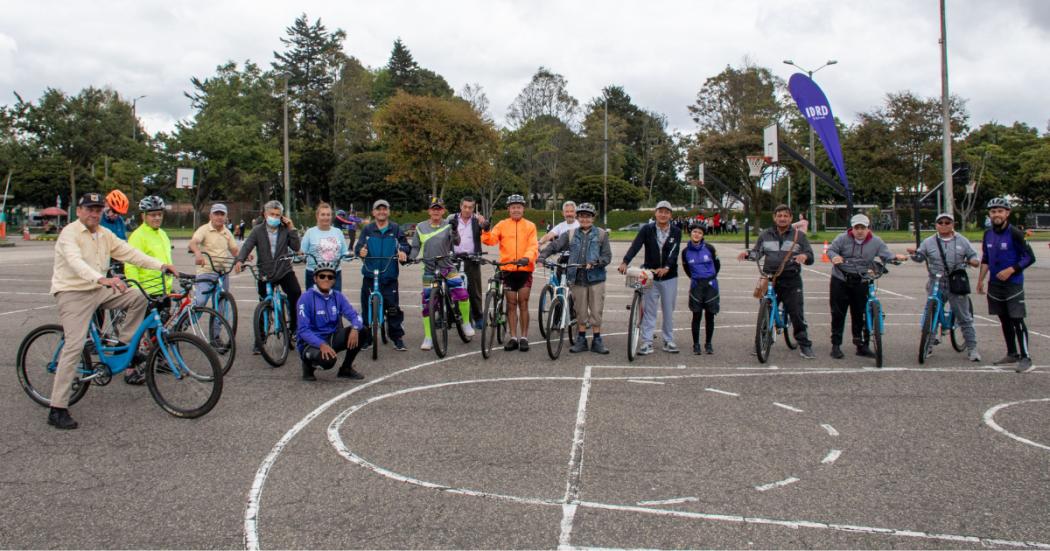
(831, 430)
(572, 485)
(989, 419)
(787, 407)
(23, 293)
(26, 310)
(832, 456)
(643, 381)
(671, 501)
(727, 393)
(777, 484)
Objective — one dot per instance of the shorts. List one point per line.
(515, 281)
(1006, 299)
(703, 295)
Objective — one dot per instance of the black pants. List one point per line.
(852, 296)
(473, 271)
(789, 293)
(311, 354)
(394, 315)
(290, 285)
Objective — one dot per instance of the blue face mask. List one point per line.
(273, 222)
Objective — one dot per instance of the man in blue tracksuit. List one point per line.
(1006, 256)
(381, 246)
(319, 332)
(700, 262)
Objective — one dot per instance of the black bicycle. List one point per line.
(494, 312)
(441, 311)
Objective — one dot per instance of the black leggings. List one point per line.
(1015, 332)
(709, 326)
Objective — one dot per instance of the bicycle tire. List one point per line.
(763, 332)
(959, 344)
(457, 318)
(225, 346)
(789, 335)
(875, 311)
(634, 326)
(929, 324)
(228, 309)
(375, 305)
(27, 364)
(203, 381)
(438, 323)
(490, 326)
(265, 334)
(546, 296)
(501, 318)
(555, 332)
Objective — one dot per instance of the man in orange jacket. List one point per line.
(517, 242)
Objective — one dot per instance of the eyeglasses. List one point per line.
(325, 276)
(944, 222)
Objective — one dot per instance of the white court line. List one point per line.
(787, 407)
(643, 381)
(23, 293)
(989, 419)
(832, 456)
(777, 484)
(996, 323)
(26, 310)
(572, 485)
(831, 430)
(725, 392)
(671, 501)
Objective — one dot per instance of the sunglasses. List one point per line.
(944, 222)
(325, 276)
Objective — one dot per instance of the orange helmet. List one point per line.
(117, 201)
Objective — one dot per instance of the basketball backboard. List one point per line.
(771, 144)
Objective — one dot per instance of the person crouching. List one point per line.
(320, 337)
(700, 262)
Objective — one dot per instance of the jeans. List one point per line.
(963, 313)
(202, 289)
(666, 292)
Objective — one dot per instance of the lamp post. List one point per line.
(946, 120)
(135, 119)
(812, 177)
(605, 167)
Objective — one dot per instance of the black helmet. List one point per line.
(586, 207)
(516, 198)
(998, 202)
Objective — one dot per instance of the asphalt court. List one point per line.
(669, 451)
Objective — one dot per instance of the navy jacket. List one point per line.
(1005, 249)
(699, 261)
(655, 256)
(381, 244)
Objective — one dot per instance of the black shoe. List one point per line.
(806, 352)
(512, 344)
(697, 349)
(836, 352)
(523, 345)
(135, 379)
(709, 349)
(60, 418)
(255, 350)
(864, 352)
(579, 346)
(1007, 360)
(598, 347)
(349, 374)
(308, 371)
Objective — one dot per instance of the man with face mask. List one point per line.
(274, 238)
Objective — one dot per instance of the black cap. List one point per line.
(91, 200)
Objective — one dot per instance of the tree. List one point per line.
(436, 140)
(591, 189)
(362, 178)
(475, 95)
(536, 151)
(404, 74)
(546, 95)
(353, 109)
(1034, 190)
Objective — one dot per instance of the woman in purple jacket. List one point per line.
(700, 262)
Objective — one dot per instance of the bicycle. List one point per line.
(220, 299)
(441, 311)
(494, 313)
(546, 296)
(772, 317)
(874, 316)
(558, 321)
(178, 363)
(270, 320)
(203, 322)
(936, 316)
(638, 279)
(375, 316)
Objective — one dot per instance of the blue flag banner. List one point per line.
(814, 106)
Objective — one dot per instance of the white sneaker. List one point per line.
(645, 349)
(468, 330)
(428, 344)
(973, 355)
(670, 347)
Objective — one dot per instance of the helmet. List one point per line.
(516, 198)
(117, 201)
(151, 203)
(998, 202)
(325, 266)
(695, 224)
(585, 207)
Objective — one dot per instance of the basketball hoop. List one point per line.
(756, 163)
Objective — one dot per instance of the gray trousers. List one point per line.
(961, 307)
(666, 292)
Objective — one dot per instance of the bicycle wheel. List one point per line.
(37, 364)
(456, 317)
(634, 326)
(546, 296)
(875, 313)
(929, 328)
(376, 304)
(193, 386)
(789, 335)
(958, 343)
(271, 337)
(763, 331)
(211, 327)
(438, 321)
(555, 329)
(491, 325)
(227, 308)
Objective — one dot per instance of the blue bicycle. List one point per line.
(220, 299)
(271, 319)
(936, 320)
(375, 310)
(772, 318)
(874, 317)
(182, 371)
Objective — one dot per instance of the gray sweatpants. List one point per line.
(963, 313)
(666, 292)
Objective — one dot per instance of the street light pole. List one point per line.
(946, 121)
(287, 179)
(135, 119)
(812, 146)
(605, 168)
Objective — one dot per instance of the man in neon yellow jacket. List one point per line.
(151, 239)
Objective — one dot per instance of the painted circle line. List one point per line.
(989, 419)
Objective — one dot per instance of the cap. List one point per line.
(90, 200)
(436, 202)
(219, 207)
(663, 205)
(859, 220)
(947, 215)
(380, 203)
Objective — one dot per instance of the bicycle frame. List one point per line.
(776, 319)
(945, 320)
(376, 291)
(219, 285)
(274, 295)
(873, 299)
(562, 289)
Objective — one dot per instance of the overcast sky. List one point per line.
(659, 51)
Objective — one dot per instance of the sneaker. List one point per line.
(523, 345)
(512, 344)
(1024, 365)
(836, 352)
(60, 418)
(864, 352)
(670, 347)
(579, 346)
(645, 349)
(709, 349)
(598, 347)
(399, 345)
(697, 349)
(428, 344)
(973, 355)
(1007, 360)
(806, 352)
(135, 379)
(308, 371)
(468, 330)
(351, 374)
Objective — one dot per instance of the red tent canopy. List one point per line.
(53, 211)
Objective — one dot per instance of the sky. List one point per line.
(660, 51)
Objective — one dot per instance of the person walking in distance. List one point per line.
(661, 241)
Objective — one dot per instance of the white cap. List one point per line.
(663, 205)
(947, 215)
(859, 220)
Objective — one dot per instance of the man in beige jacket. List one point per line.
(80, 286)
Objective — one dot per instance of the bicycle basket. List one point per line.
(639, 278)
